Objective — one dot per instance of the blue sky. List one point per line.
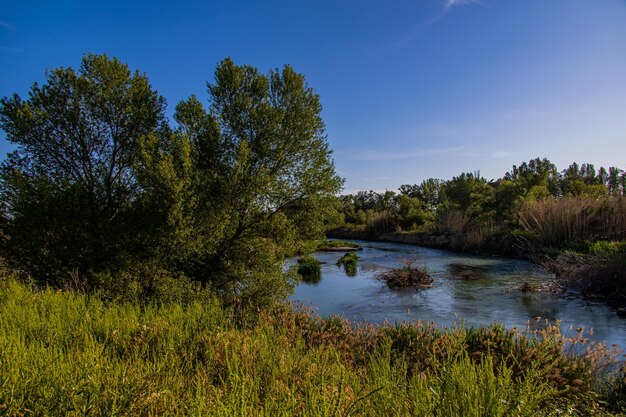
(411, 89)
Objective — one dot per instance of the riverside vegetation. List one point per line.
(65, 353)
(142, 269)
(572, 221)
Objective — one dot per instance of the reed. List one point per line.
(466, 233)
(559, 222)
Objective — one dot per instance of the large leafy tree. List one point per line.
(68, 186)
(101, 183)
(253, 177)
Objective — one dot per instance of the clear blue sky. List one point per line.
(411, 89)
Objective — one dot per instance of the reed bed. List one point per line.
(63, 353)
(466, 233)
(558, 222)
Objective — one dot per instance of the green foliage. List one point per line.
(349, 262)
(429, 192)
(469, 193)
(336, 244)
(68, 188)
(536, 173)
(246, 180)
(409, 212)
(474, 214)
(308, 265)
(609, 248)
(71, 354)
(102, 189)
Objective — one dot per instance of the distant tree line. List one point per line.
(104, 193)
(470, 204)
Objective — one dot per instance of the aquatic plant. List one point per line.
(337, 245)
(349, 261)
(308, 265)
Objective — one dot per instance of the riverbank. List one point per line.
(497, 245)
(65, 353)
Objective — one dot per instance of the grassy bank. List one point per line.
(70, 354)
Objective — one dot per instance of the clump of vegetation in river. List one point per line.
(349, 263)
(408, 276)
(337, 245)
(308, 265)
(65, 353)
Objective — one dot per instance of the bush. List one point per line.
(308, 265)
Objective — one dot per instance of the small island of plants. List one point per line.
(349, 263)
(408, 276)
(337, 246)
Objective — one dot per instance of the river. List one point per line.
(468, 290)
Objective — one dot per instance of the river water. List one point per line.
(467, 290)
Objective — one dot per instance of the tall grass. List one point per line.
(558, 222)
(466, 233)
(69, 354)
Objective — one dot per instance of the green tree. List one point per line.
(247, 180)
(539, 175)
(470, 193)
(582, 181)
(69, 185)
(101, 187)
(428, 192)
(409, 212)
(614, 183)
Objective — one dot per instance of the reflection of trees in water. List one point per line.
(349, 262)
(349, 269)
(371, 267)
(467, 272)
(313, 278)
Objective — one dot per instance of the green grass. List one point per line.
(609, 248)
(70, 354)
(333, 244)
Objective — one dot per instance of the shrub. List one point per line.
(308, 265)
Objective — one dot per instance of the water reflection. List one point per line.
(471, 289)
(312, 278)
(468, 272)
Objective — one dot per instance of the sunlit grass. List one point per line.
(71, 354)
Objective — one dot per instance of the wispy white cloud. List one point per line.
(7, 26)
(7, 49)
(390, 156)
(453, 3)
(349, 176)
(450, 4)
